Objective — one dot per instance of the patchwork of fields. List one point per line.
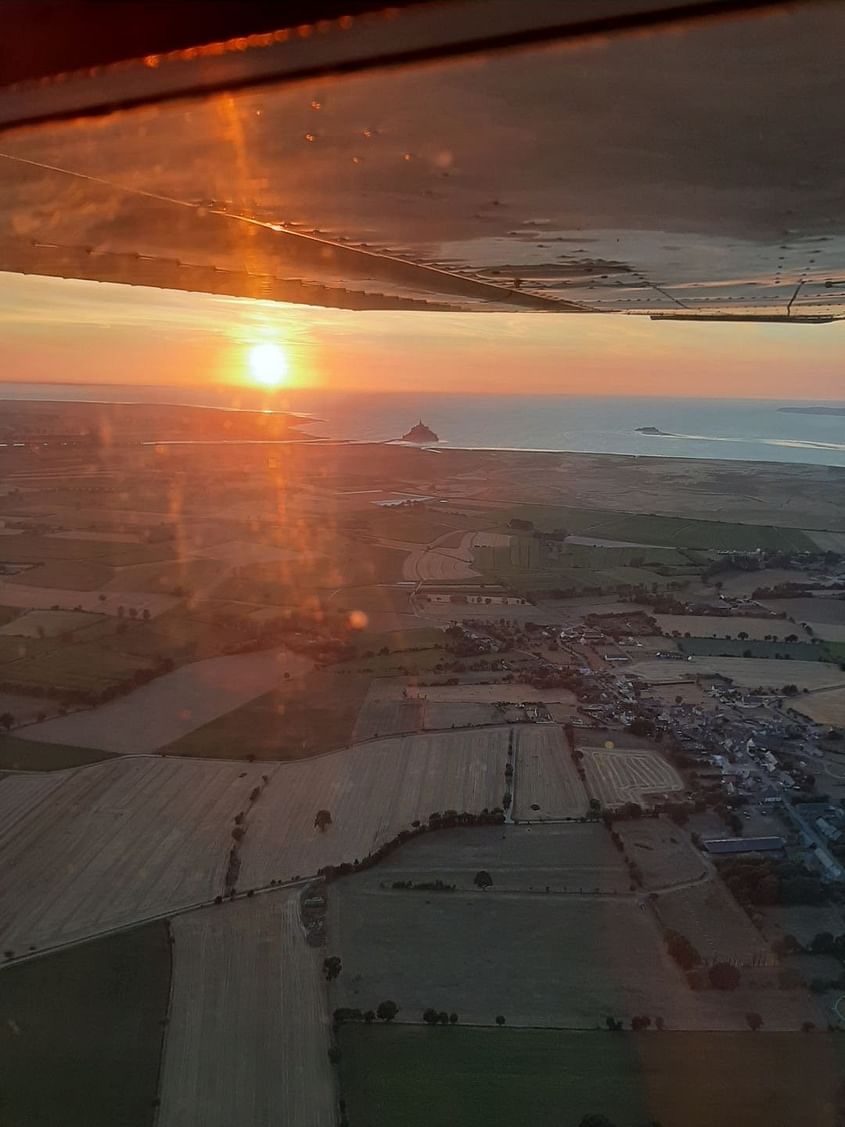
(126, 840)
(174, 704)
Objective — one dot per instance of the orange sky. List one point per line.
(79, 332)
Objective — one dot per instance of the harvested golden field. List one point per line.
(114, 843)
(618, 775)
(546, 776)
(825, 707)
(125, 840)
(372, 791)
(248, 1037)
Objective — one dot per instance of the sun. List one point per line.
(268, 365)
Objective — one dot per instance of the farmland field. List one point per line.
(29, 596)
(575, 857)
(714, 923)
(541, 960)
(663, 852)
(372, 791)
(616, 776)
(61, 668)
(489, 694)
(166, 577)
(707, 626)
(49, 623)
(500, 1077)
(823, 707)
(462, 715)
(670, 531)
(114, 843)
(78, 575)
(31, 755)
(735, 647)
(281, 724)
(173, 705)
(81, 1032)
(248, 1037)
(383, 716)
(546, 776)
(748, 672)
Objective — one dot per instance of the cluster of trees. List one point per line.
(385, 1011)
(765, 881)
(435, 1017)
(684, 953)
(423, 886)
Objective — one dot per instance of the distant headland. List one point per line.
(813, 410)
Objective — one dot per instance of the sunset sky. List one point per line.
(80, 332)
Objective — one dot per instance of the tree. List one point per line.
(500, 1021)
(682, 951)
(387, 1011)
(754, 1021)
(369, 1016)
(7, 720)
(145, 614)
(430, 1016)
(453, 1019)
(822, 943)
(322, 819)
(807, 1026)
(482, 879)
(724, 976)
(332, 967)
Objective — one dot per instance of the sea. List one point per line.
(735, 429)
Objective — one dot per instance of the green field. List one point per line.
(81, 1033)
(735, 647)
(346, 563)
(672, 532)
(313, 715)
(526, 565)
(440, 1077)
(34, 549)
(87, 667)
(17, 754)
